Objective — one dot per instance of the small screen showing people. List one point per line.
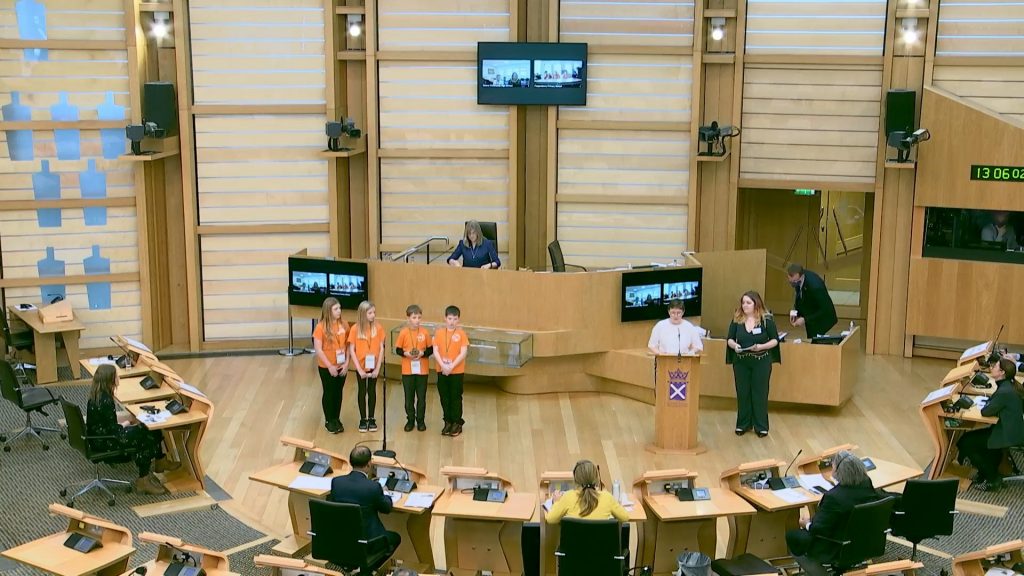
(557, 73)
(345, 284)
(679, 291)
(640, 296)
(309, 282)
(506, 73)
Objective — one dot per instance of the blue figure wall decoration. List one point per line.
(49, 267)
(31, 15)
(99, 292)
(69, 140)
(19, 142)
(113, 139)
(94, 185)
(46, 186)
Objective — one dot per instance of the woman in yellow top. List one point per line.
(587, 501)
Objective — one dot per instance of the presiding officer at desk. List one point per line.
(853, 487)
(356, 487)
(813, 308)
(475, 250)
(984, 447)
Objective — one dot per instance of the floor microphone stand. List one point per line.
(384, 452)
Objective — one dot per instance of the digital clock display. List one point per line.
(997, 173)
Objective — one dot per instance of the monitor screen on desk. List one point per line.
(312, 280)
(645, 295)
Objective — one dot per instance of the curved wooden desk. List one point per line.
(49, 553)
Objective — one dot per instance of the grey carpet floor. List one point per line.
(30, 480)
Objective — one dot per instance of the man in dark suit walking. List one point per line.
(813, 307)
(356, 487)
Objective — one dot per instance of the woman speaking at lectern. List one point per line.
(753, 346)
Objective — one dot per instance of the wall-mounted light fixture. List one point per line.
(355, 25)
(161, 25)
(910, 32)
(717, 29)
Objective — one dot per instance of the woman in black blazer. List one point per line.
(752, 348)
(984, 447)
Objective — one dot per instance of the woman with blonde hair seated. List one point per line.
(587, 500)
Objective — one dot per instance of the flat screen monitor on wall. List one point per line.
(645, 295)
(312, 280)
(531, 73)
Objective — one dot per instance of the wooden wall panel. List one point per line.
(980, 28)
(434, 106)
(606, 235)
(261, 169)
(124, 317)
(810, 122)
(441, 24)
(65, 19)
(627, 22)
(88, 77)
(619, 165)
(423, 197)
(652, 88)
(245, 280)
(998, 88)
(816, 27)
(257, 51)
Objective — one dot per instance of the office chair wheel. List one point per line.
(7, 448)
(71, 503)
(63, 492)
(46, 447)
(63, 436)
(3, 437)
(110, 502)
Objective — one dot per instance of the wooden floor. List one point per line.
(260, 398)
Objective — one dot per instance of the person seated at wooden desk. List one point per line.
(984, 447)
(118, 432)
(587, 501)
(853, 487)
(356, 487)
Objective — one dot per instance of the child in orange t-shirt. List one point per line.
(329, 342)
(450, 348)
(366, 351)
(414, 346)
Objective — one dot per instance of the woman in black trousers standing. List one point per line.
(753, 347)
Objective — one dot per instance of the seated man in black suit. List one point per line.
(853, 487)
(356, 487)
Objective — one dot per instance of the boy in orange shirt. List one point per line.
(366, 353)
(414, 346)
(450, 348)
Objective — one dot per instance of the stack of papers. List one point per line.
(395, 496)
(99, 361)
(547, 505)
(420, 500)
(313, 483)
(791, 495)
(191, 388)
(159, 417)
(814, 480)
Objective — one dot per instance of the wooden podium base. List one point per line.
(698, 449)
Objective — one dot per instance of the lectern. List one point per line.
(676, 404)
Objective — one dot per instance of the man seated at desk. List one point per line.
(853, 487)
(675, 335)
(356, 487)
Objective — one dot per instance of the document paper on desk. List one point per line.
(191, 388)
(137, 344)
(938, 393)
(159, 417)
(809, 480)
(420, 500)
(100, 361)
(313, 483)
(791, 496)
(975, 350)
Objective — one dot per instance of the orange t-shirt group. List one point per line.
(413, 338)
(331, 346)
(369, 344)
(449, 344)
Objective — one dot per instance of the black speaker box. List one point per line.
(159, 106)
(899, 111)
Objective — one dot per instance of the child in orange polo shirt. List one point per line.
(329, 342)
(450, 348)
(366, 352)
(413, 345)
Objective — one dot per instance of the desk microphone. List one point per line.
(679, 349)
(786, 481)
(793, 461)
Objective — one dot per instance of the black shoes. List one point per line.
(371, 424)
(363, 425)
(762, 433)
(409, 425)
(447, 430)
(335, 427)
(741, 431)
(456, 430)
(988, 485)
(421, 426)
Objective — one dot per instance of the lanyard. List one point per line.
(447, 343)
(415, 338)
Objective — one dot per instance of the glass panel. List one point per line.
(492, 346)
(962, 234)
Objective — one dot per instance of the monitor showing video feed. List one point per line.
(506, 73)
(312, 280)
(557, 73)
(646, 295)
(544, 73)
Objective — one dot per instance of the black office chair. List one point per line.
(592, 547)
(926, 510)
(862, 539)
(15, 342)
(338, 537)
(78, 440)
(557, 259)
(30, 399)
(1015, 454)
(490, 231)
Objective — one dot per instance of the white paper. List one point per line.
(808, 480)
(420, 500)
(395, 496)
(548, 504)
(100, 361)
(191, 388)
(370, 363)
(415, 366)
(137, 344)
(791, 495)
(975, 350)
(938, 393)
(980, 401)
(159, 417)
(339, 357)
(313, 483)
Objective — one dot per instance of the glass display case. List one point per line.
(491, 346)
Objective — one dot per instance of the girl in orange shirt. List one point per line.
(366, 350)
(329, 342)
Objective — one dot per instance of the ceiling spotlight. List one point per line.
(161, 25)
(717, 29)
(910, 30)
(355, 25)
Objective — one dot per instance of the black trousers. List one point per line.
(450, 389)
(799, 541)
(366, 397)
(393, 541)
(147, 445)
(415, 387)
(974, 445)
(331, 399)
(752, 376)
(816, 328)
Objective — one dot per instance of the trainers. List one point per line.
(988, 485)
(762, 433)
(456, 430)
(363, 425)
(447, 430)
(372, 424)
(409, 425)
(335, 427)
(421, 426)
